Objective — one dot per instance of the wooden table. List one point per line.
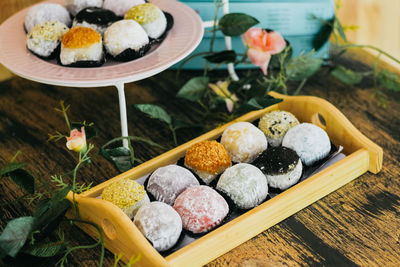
(358, 224)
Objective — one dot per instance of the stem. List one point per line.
(373, 48)
(99, 242)
(15, 156)
(173, 134)
(300, 87)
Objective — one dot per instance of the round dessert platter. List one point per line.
(181, 40)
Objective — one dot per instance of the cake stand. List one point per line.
(182, 39)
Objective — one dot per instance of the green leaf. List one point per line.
(302, 67)
(154, 112)
(323, 34)
(15, 235)
(347, 76)
(194, 89)
(120, 157)
(90, 130)
(49, 212)
(235, 24)
(223, 57)
(389, 80)
(24, 180)
(10, 167)
(45, 250)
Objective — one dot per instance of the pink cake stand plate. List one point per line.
(182, 39)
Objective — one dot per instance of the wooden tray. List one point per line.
(122, 236)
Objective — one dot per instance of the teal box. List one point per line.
(292, 18)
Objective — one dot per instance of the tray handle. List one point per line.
(340, 130)
(120, 234)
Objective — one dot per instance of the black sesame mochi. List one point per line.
(166, 183)
(281, 166)
(275, 125)
(309, 141)
(96, 18)
(160, 224)
(245, 184)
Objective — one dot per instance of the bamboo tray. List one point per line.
(122, 236)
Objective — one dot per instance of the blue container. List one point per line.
(292, 18)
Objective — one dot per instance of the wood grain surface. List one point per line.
(358, 224)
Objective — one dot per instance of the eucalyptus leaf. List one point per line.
(10, 167)
(235, 24)
(347, 76)
(194, 89)
(45, 250)
(24, 180)
(90, 130)
(302, 67)
(223, 57)
(154, 112)
(15, 235)
(389, 80)
(120, 157)
(323, 34)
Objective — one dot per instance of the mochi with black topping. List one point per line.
(96, 18)
(281, 166)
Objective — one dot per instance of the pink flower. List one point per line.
(221, 89)
(262, 45)
(77, 140)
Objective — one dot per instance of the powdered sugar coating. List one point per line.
(74, 6)
(309, 141)
(244, 142)
(245, 184)
(160, 224)
(120, 7)
(166, 183)
(124, 34)
(46, 12)
(201, 208)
